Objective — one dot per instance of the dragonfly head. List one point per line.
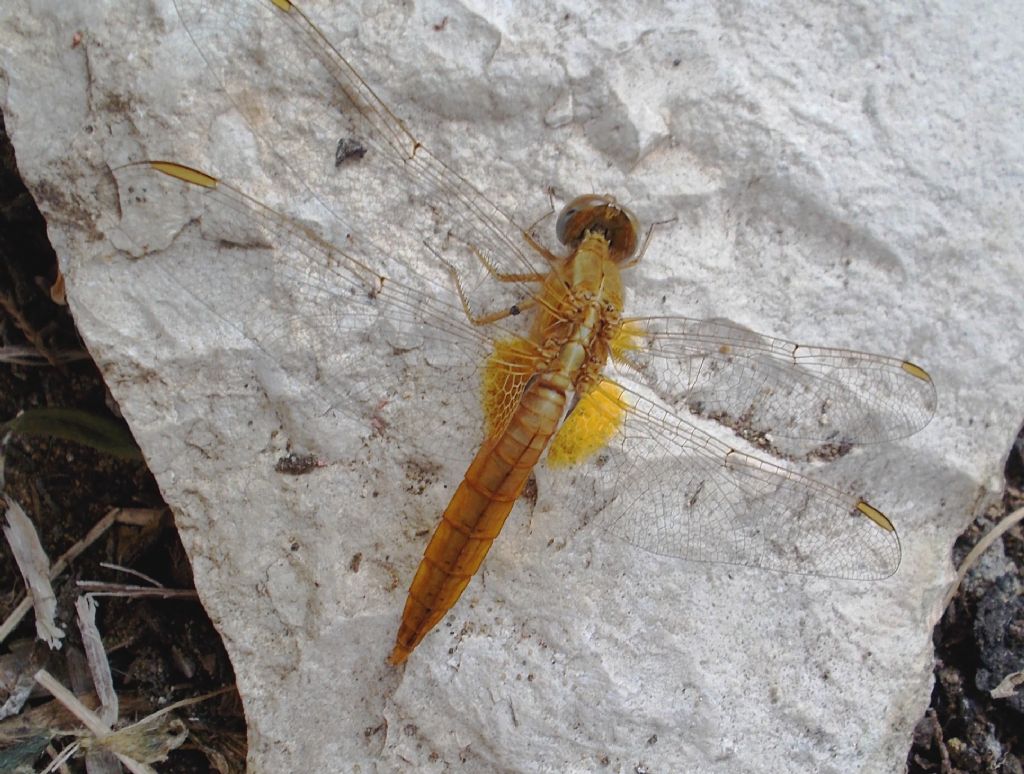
(601, 214)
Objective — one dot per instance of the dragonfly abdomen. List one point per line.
(477, 511)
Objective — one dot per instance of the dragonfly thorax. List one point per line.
(595, 213)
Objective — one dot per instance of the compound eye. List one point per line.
(576, 216)
(599, 215)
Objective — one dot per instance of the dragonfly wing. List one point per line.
(760, 386)
(318, 312)
(353, 155)
(677, 491)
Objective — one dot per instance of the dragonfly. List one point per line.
(533, 344)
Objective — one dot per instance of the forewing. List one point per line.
(674, 490)
(353, 154)
(763, 386)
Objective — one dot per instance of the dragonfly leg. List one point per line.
(647, 241)
(493, 317)
(532, 276)
(546, 254)
(501, 314)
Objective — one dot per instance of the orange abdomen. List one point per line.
(477, 512)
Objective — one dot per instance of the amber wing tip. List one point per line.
(916, 371)
(879, 518)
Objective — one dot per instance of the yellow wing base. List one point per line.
(628, 337)
(506, 375)
(596, 418)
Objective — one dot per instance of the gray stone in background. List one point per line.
(845, 176)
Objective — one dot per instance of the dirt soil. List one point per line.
(160, 649)
(978, 642)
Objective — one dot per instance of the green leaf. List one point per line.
(100, 433)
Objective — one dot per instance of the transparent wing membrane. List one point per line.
(677, 491)
(341, 311)
(760, 385)
(270, 58)
(317, 310)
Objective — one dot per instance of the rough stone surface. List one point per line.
(839, 175)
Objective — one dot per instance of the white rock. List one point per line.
(845, 177)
